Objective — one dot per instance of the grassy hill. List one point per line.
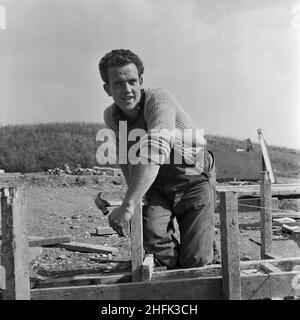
(35, 148)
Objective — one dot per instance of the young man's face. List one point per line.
(125, 87)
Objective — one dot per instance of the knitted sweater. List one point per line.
(166, 126)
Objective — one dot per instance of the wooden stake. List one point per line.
(265, 214)
(148, 267)
(267, 165)
(230, 246)
(15, 245)
(137, 254)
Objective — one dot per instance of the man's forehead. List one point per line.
(123, 71)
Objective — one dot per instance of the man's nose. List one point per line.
(127, 87)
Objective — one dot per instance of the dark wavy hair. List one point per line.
(119, 57)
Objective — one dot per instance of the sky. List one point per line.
(234, 65)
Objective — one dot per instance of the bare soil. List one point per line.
(64, 205)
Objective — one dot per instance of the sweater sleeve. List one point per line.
(160, 117)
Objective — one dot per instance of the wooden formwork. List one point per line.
(234, 279)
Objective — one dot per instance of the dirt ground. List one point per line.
(64, 205)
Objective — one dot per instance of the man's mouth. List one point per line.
(127, 99)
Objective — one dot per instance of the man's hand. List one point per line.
(119, 219)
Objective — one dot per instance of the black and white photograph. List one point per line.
(149, 151)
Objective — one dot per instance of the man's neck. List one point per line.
(133, 114)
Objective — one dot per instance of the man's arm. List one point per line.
(142, 177)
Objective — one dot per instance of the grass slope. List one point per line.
(38, 147)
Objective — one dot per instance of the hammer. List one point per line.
(102, 204)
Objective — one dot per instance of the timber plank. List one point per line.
(271, 256)
(265, 214)
(268, 267)
(47, 241)
(286, 264)
(2, 277)
(266, 157)
(104, 231)
(148, 267)
(282, 214)
(278, 190)
(252, 287)
(269, 286)
(137, 252)
(291, 229)
(85, 247)
(175, 289)
(14, 248)
(83, 280)
(230, 246)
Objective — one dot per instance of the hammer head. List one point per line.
(101, 204)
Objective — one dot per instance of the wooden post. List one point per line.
(137, 254)
(230, 246)
(14, 244)
(148, 268)
(267, 165)
(265, 214)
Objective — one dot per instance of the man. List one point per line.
(184, 189)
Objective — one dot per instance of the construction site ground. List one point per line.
(63, 204)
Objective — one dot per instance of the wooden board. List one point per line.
(271, 256)
(137, 253)
(266, 157)
(269, 268)
(265, 214)
(278, 190)
(252, 287)
(239, 165)
(85, 247)
(104, 231)
(82, 280)
(291, 229)
(14, 255)
(284, 264)
(107, 231)
(2, 277)
(148, 268)
(47, 241)
(283, 214)
(230, 246)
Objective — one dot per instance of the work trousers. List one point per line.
(190, 199)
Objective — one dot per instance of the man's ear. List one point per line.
(141, 81)
(106, 88)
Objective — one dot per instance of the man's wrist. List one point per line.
(129, 206)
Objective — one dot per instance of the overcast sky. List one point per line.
(233, 64)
